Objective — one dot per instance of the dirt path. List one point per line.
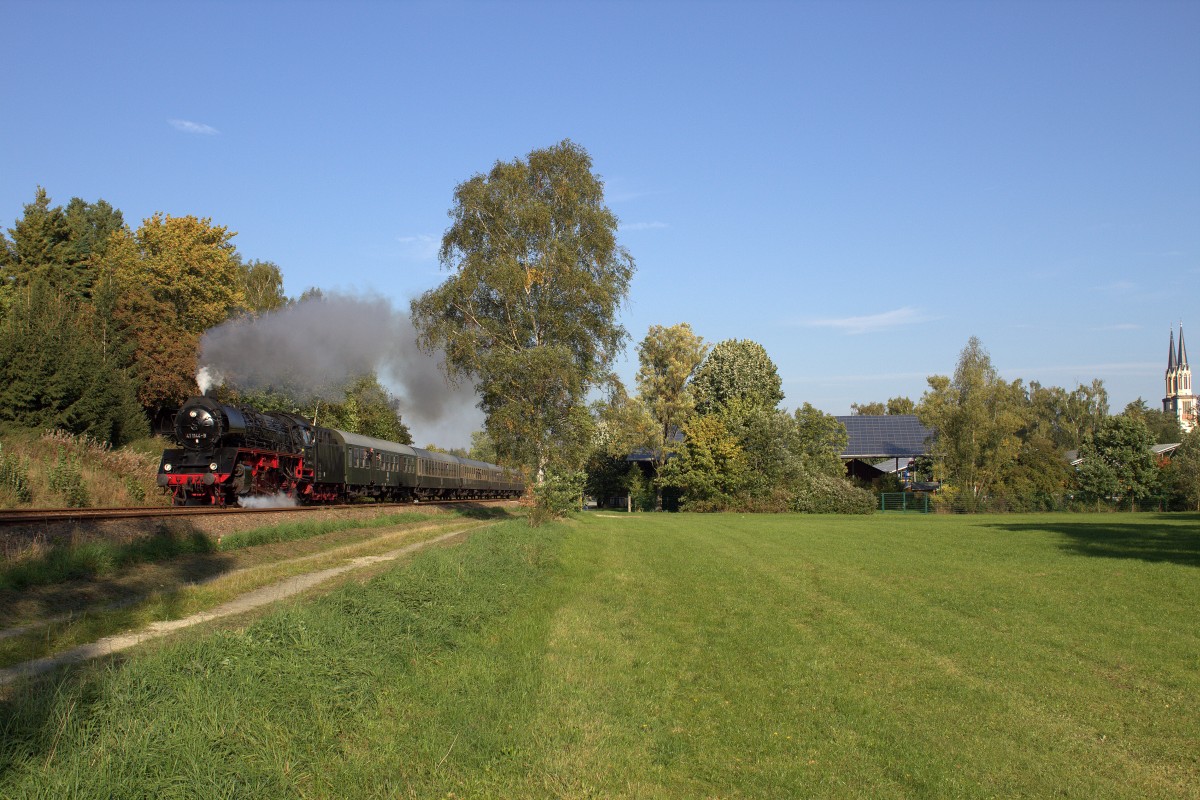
(247, 602)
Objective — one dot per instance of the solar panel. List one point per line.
(891, 436)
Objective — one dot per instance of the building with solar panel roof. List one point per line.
(878, 445)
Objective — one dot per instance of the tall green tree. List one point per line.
(669, 357)
(1067, 419)
(90, 228)
(1182, 475)
(711, 468)
(1038, 478)
(59, 247)
(364, 407)
(482, 448)
(872, 409)
(37, 249)
(737, 369)
(529, 310)
(1164, 427)
(1118, 463)
(895, 405)
(821, 439)
(61, 366)
(262, 286)
(977, 416)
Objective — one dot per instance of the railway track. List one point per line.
(36, 516)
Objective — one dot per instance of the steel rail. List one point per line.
(35, 516)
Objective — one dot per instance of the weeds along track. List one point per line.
(33, 516)
(32, 532)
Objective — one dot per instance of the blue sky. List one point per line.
(858, 186)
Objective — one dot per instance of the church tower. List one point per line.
(1180, 402)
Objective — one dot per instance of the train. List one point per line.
(230, 455)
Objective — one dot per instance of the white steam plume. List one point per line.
(314, 347)
(267, 501)
(207, 377)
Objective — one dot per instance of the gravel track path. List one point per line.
(240, 605)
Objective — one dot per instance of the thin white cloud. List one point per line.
(872, 322)
(644, 226)
(868, 377)
(1119, 326)
(617, 190)
(1117, 287)
(187, 126)
(421, 247)
(1134, 368)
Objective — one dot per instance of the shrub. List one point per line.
(14, 477)
(817, 493)
(66, 478)
(137, 492)
(641, 490)
(556, 495)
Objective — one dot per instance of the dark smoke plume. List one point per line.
(316, 346)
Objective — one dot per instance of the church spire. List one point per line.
(1182, 361)
(1171, 362)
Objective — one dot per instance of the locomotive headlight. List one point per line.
(192, 413)
(166, 467)
(213, 466)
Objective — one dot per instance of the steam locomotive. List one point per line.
(228, 455)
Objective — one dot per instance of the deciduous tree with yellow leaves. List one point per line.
(529, 311)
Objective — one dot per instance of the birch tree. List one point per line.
(528, 312)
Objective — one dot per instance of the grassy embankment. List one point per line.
(55, 469)
(673, 656)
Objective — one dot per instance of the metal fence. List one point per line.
(904, 502)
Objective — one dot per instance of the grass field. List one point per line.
(673, 656)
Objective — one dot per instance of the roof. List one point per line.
(890, 436)
(1075, 458)
(358, 440)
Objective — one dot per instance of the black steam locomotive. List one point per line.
(228, 454)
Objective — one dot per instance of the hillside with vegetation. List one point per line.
(56, 469)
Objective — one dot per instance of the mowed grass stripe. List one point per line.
(915, 668)
(674, 656)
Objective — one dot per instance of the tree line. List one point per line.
(1004, 444)
(100, 323)
(528, 313)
